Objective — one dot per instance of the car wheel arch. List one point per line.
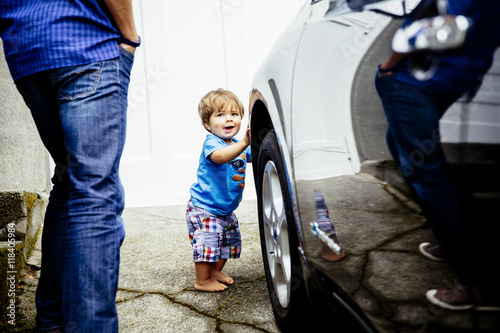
(260, 125)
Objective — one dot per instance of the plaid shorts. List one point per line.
(213, 237)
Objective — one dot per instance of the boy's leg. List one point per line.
(204, 279)
(217, 273)
(203, 230)
(230, 246)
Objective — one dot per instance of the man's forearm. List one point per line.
(122, 13)
(392, 60)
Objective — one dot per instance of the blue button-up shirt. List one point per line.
(44, 34)
(462, 69)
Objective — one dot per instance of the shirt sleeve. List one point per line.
(212, 143)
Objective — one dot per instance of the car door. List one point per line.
(333, 44)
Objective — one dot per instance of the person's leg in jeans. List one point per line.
(92, 103)
(41, 98)
(413, 123)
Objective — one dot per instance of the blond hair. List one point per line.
(215, 101)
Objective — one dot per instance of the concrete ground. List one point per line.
(156, 291)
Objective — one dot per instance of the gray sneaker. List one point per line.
(432, 251)
(455, 298)
(459, 298)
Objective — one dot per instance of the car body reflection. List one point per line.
(318, 131)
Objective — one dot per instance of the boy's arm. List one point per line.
(229, 153)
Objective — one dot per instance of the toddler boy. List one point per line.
(213, 227)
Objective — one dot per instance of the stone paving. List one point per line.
(156, 291)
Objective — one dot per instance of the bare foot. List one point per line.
(222, 277)
(209, 285)
(330, 255)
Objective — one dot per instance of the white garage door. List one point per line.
(189, 48)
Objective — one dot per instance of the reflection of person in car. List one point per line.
(330, 248)
(212, 224)
(413, 109)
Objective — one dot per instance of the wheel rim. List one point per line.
(276, 234)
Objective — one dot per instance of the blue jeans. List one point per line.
(413, 139)
(80, 113)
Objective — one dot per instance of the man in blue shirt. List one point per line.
(413, 108)
(71, 62)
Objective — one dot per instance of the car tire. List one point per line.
(279, 238)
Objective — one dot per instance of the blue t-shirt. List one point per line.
(461, 69)
(40, 35)
(219, 188)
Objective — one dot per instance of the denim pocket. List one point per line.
(383, 82)
(126, 60)
(77, 81)
(126, 52)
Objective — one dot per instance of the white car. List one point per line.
(320, 157)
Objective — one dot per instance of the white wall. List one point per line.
(189, 48)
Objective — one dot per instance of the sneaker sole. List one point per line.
(430, 296)
(427, 254)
